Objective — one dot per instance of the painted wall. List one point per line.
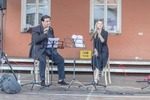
(15, 43)
(135, 19)
(72, 17)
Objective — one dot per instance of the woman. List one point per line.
(100, 50)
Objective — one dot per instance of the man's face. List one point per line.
(46, 22)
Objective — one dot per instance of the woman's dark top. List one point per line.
(101, 60)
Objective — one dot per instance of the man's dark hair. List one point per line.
(44, 17)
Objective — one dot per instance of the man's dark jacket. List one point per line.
(39, 41)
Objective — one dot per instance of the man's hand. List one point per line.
(46, 30)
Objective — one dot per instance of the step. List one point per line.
(76, 68)
(83, 65)
(80, 61)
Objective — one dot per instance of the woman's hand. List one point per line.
(95, 52)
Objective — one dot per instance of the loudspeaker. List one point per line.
(3, 4)
(9, 84)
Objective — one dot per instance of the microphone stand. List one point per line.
(93, 82)
(34, 76)
(34, 64)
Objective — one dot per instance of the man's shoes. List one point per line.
(43, 83)
(62, 82)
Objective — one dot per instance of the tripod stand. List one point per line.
(35, 71)
(34, 81)
(148, 82)
(94, 84)
(72, 44)
(2, 55)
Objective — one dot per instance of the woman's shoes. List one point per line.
(96, 82)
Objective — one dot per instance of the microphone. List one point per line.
(46, 30)
(92, 33)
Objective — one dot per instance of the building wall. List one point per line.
(15, 43)
(135, 19)
(72, 17)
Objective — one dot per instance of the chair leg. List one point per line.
(36, 65)
(109, 77)
(47, 71)
(96, 75)
(105, 71)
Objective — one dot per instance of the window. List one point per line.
(32, 11)
(109, 11)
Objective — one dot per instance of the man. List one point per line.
(39, 50)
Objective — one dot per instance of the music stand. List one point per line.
(74, 43)
(52, 44)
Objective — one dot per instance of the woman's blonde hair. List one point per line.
(101, 20)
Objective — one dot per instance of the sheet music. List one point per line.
(78, 40)
(53, 41)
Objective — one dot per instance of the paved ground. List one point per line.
(121, 88)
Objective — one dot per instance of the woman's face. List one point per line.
(99, 25)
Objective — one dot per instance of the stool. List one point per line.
(36, 65)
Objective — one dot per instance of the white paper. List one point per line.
(78, 40)
(53, 41)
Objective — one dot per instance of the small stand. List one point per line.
(70, 43)
(148, 82)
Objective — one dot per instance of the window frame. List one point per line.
(23, 14)
(119, 17)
